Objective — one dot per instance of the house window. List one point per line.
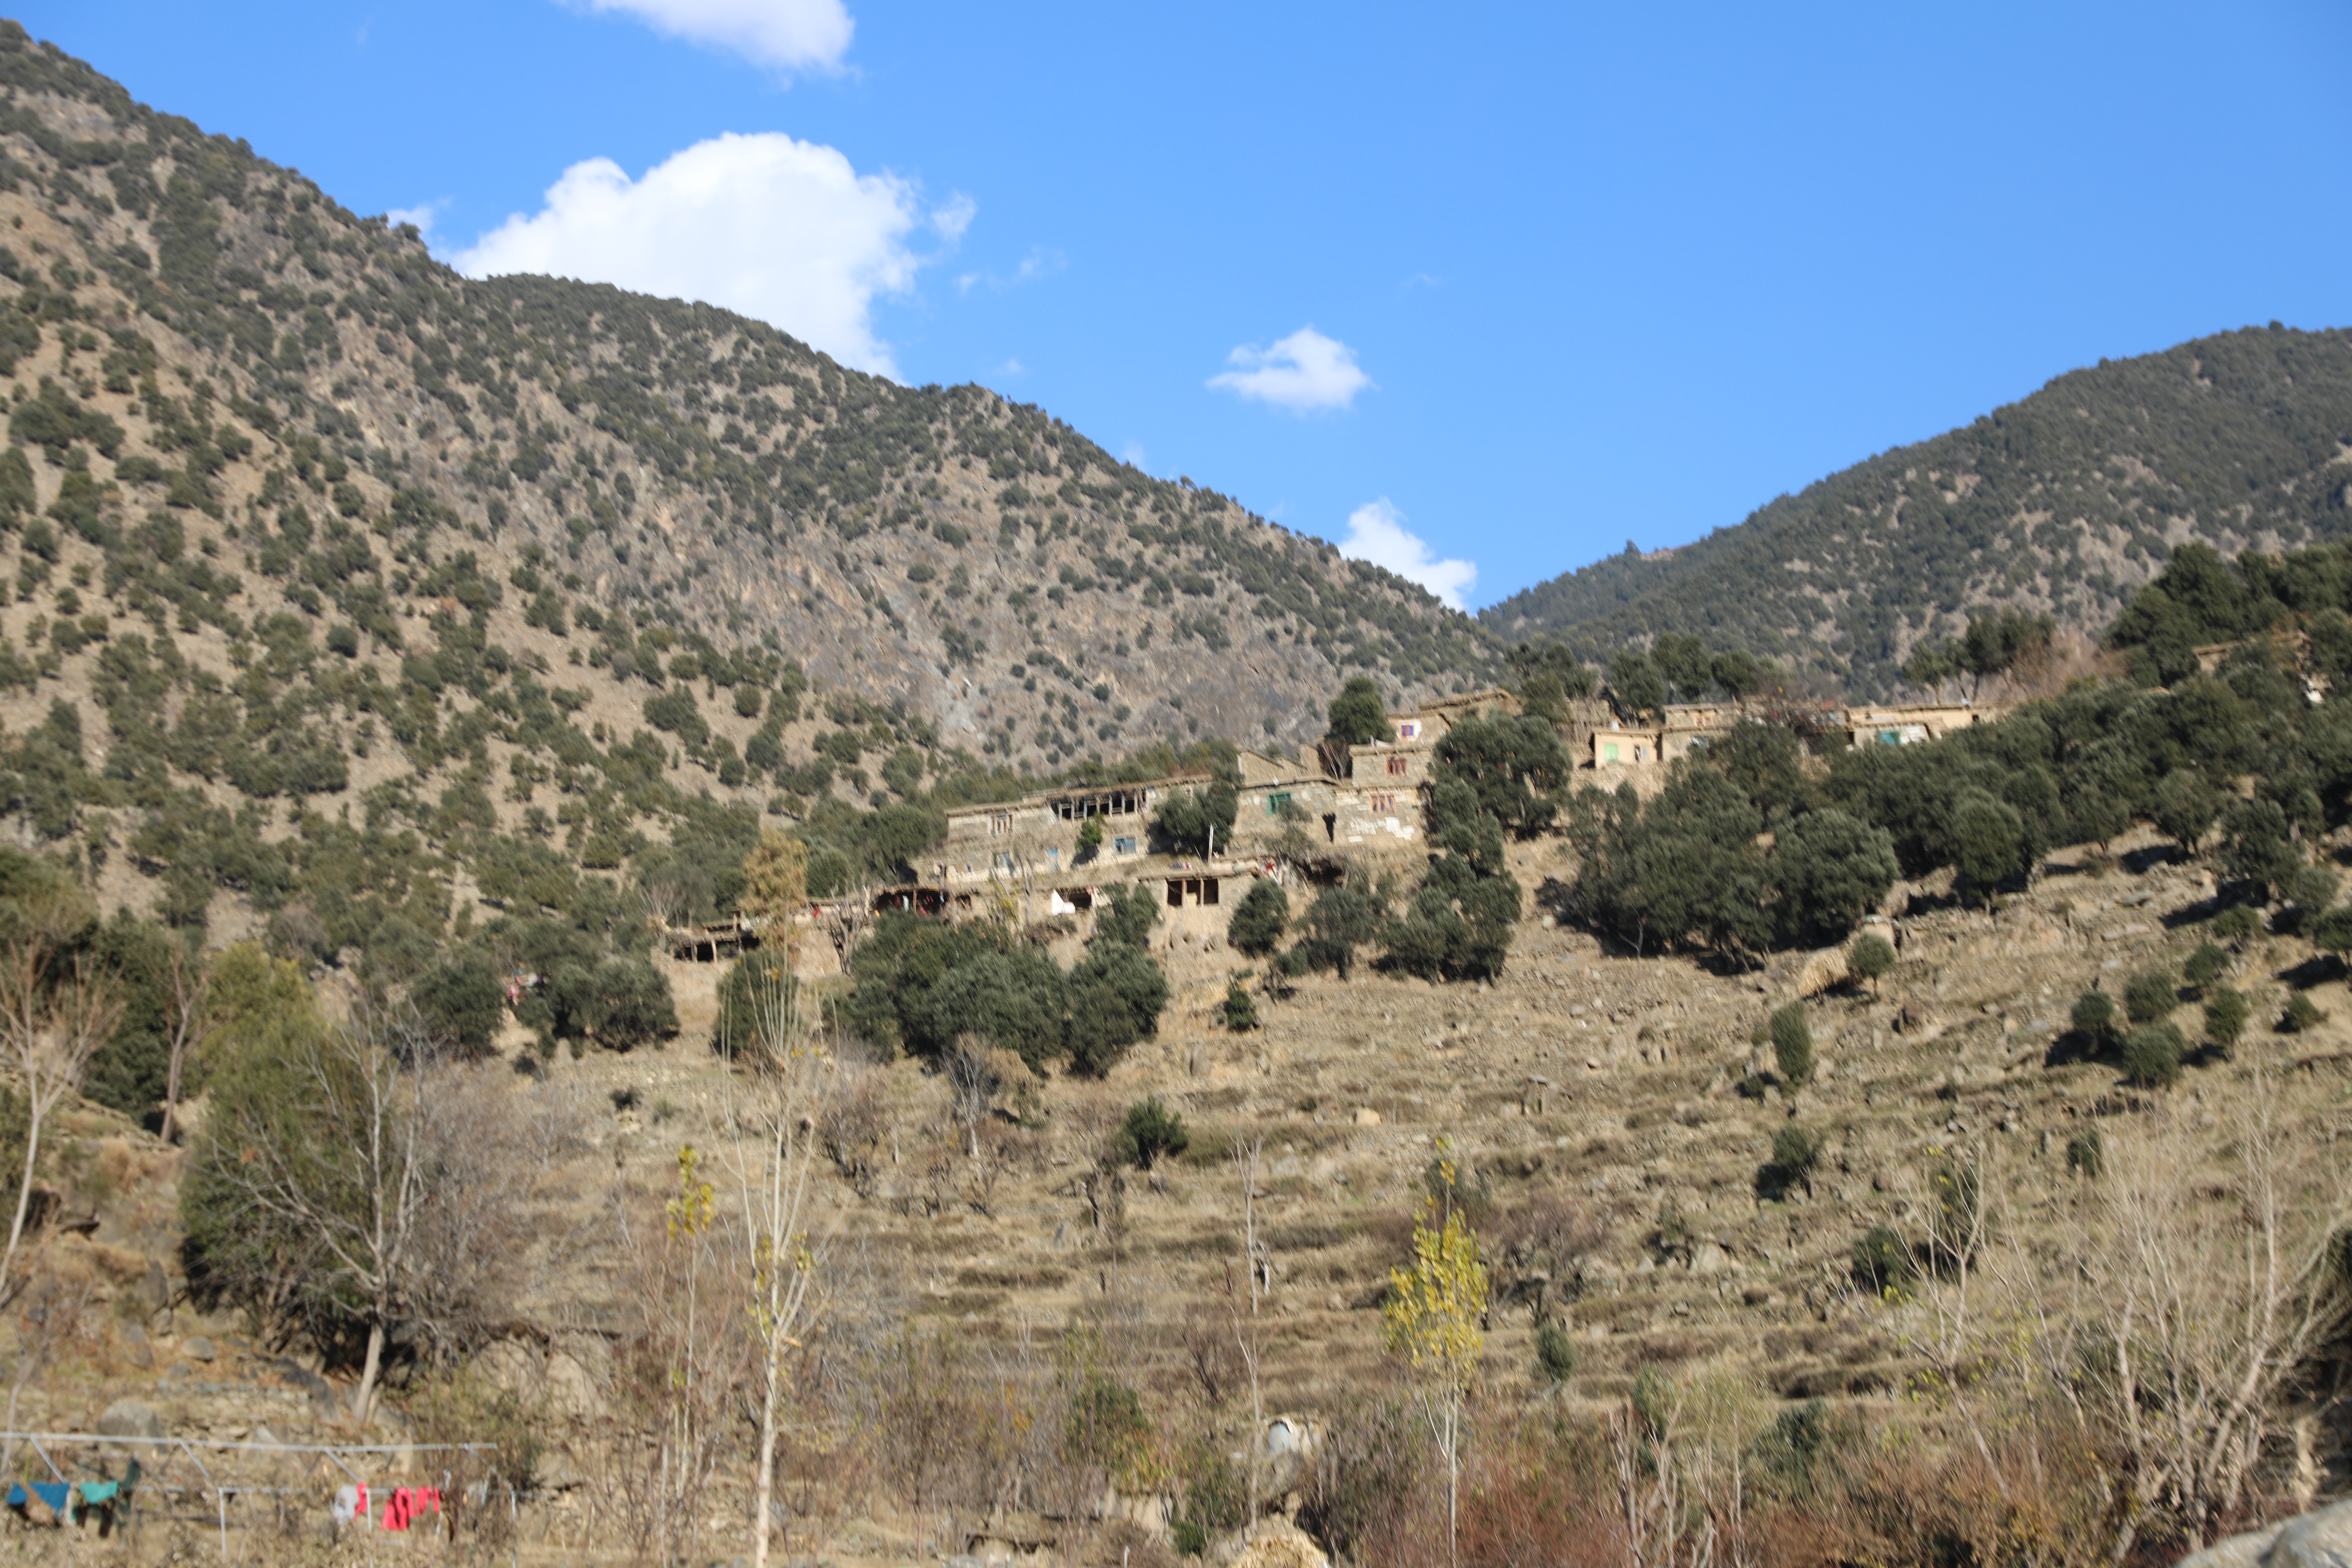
(1383, 802)
(1054, 858)
(1122, 846)
(1208, 890)
(1000, 825)
(1890, 737)
(1000, 861)
(1397, 767)
(1175, 893)
(1638, 755)
(1608, 752)
(1275, 803)
(1408, 730)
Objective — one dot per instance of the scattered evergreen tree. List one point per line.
(462, 1000)
(1259, 920)
(1555, 1354)
(1357, 716)
(1871, 958)
(1345, 917)
(2186, 807)
(1792, 1044)
(2302, 1015)
(1151, 1132)
(1796, 1151)
(1241, 1011)
(2152, 1054)
(2093, 1019)
(2149, 997)
(2226, 1013)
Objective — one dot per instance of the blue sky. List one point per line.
(1507, 286)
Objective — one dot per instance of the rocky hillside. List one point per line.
(2062, 502)
(248, 348)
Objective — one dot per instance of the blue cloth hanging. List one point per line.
(57, 1494)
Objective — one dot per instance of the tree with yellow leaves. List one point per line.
(1432, 1322)
(775, 889)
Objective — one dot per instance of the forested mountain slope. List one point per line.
(911, 545)
(2064, 501)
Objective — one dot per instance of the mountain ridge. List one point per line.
(2062, 502)
(675, 452)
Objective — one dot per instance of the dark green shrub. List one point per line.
(1831, 868)
(1458, 925)
(1555, 1354)
(2093, 1019)
(2236, 923)
(1514, 767)
(1792, 1044)
(2086, 1153)
(2206, 965)
(2185, 807)
(1796, 1151)
(1259, 920)
(2152, 1054)
(2151, 995)
(1191, 818)
(1241, 1012)
(1343, 918)
(1989, 840)
(1357, 716)
(2332, 933)
(2226, 1013)
(621, 1000)
(2302, 1015)
(1127, 916)
(1150, 1132)
(461, 1000)
(1882, 1259)
(1871, 957)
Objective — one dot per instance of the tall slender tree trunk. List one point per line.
(763, 1494)
(24, 1187)
(363, 1396)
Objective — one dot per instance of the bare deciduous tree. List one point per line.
(362, 1171)
(2192, 1282)
(187, 994)
(973, 1082)
(1258, 1270)
(54, 1013)
(775, 1169)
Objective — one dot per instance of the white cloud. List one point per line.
(1376, 532)
(1133, 456)
(1303, 372)
(1039, 263)
(784, 230)
(789, 35)
(421, 215)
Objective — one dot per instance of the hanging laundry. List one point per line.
(350, 1506)
(408, 1502)
(58, 1496)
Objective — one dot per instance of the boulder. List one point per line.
(1278, 1543)
(129, 1418)
(2321, 1539)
